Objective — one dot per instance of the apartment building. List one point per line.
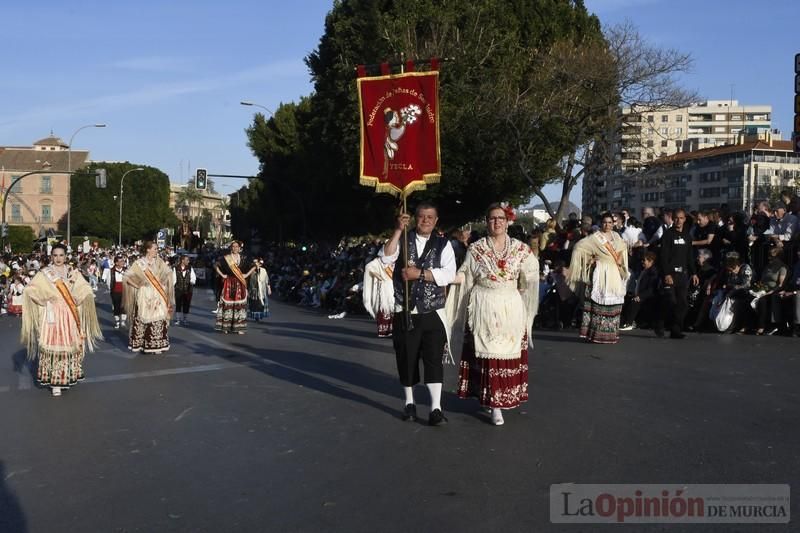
(37, 200)
(647, 136)
(738, 175)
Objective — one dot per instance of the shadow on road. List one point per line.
(298, 367)
(339, 330)
(22, 364)
(12, 518)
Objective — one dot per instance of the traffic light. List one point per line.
(201, 179)
(100, 178)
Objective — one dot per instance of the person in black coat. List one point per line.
(639, 306)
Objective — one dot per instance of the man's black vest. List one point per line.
(183, 280)
(424, 296)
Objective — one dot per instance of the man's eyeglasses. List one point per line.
(496, 219)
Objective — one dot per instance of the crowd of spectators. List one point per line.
(752, 261)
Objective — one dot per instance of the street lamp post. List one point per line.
(253, 104)
(121, 183)
(69, 180)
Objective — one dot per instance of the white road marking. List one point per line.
(165, 372)
(183, 413)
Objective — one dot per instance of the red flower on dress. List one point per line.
(501, 264)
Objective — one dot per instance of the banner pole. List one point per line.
(406, 288)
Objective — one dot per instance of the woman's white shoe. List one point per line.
(497, 417)
(55, 391)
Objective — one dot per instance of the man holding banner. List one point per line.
(400, 155)
(418, 329)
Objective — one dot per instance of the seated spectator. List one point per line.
(640, 306)
(738, 279)
(770, 283)
(701, 296)
(789, 297)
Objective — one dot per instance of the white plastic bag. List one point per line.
(721, 311)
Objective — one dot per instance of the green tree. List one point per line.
(494, 102)
(145, 202)
(21, 238)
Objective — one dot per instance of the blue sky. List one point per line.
(167, 76)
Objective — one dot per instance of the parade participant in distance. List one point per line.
(149, 300)
(492, 316)
(114, 278)
(234, 270)
(184, 279)
(599, 269)
(259, 291)
(431, 267)
(59, 322)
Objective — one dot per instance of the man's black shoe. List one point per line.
(436, 418)
(677, 335)
(409, 413)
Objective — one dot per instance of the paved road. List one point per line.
(294, 427)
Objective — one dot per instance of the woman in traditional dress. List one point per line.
(59, 322)
(492, 314)
(15, 291)
(234, 271)
(260, 292)
(599, 268)
(149, 301)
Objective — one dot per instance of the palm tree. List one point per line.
(188, 196)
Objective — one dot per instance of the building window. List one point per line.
(650, 144)
(664, 144)
(678, 131)
(16, 214)
(679, 118)
(664, 131)
(47, 187)
(664, 118)
(16, 188)
(47, 215)
(649, 118)
(650, 157)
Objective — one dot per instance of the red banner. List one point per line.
(400, 131)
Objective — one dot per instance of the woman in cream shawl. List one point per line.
(492, 313)
(599, 268)
(59, 322)
(378, 295)
(149, 298)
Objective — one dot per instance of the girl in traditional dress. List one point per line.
(234, 271)
(15, 291)
(149, 300)
(492, 315)
(59, 321)
(260, 292)
(599, 268)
